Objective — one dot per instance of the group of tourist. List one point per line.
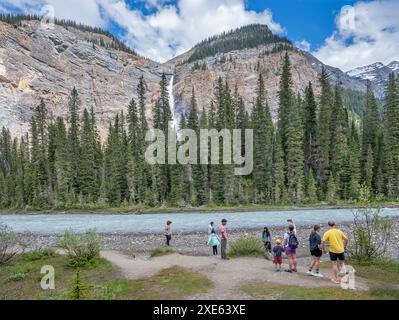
(214, 239)
(336, 239)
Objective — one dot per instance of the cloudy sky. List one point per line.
(344, 34)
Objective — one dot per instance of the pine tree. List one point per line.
(339, 136)
(323, 133)
(310, 130)
(368, 170)
(203, 124)
(134, 151)
(290, 126)
(115, 166)
(278, 172)
(370, 138)
(311, 193)
(353, 163)
(88, 174)
(73, 138)
(218, 172)
(62, 163)
(196, 169)
(161, 117)
(144, 180)
(39, 169)
(263, 135)
(391, 131)
(230, 186)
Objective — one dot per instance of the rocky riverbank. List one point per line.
(195, 243)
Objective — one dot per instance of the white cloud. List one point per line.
(303, 45)
(170, 30)
(366, 33)
(173, 29)
(82, 11)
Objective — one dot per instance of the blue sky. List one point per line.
(342, 33)
(313, 20)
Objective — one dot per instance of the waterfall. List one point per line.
(172, 103)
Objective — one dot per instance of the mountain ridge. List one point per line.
(36, 62)
(377, 73)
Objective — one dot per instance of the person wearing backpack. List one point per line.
(214, 241)
(290, 244)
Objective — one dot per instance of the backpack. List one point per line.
(293, 242)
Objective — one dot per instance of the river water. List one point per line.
(47, 224)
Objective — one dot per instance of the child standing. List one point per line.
(278, 255)
(214, 242)
(168, 232)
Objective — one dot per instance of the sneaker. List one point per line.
(317, 274)
(309, 272)
(288, 270)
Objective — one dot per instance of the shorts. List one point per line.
(337, 256)
(278, 260)
(289, 251)
(316, 252)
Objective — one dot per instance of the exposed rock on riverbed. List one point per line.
(195, 243)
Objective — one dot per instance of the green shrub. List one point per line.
(371, 233)
(161, 251)
(16, 276)
(247, 246)
(42, 253)
(19, 271)
(112, 290)
(82, 250)
(9, 244)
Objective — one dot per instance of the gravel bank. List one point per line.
(195, 243)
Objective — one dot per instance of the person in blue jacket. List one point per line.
(214, 241)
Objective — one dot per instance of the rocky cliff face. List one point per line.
(241, 68)
(38, 62)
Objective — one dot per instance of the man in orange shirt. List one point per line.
(338, 242)
(223, 239)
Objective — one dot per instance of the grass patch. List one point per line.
(269, 291)
(385, 293)
(383, 270)
(170, 284)
(21, 281)
(162, 251)
(247, 247)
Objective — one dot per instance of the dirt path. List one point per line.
(226, 275)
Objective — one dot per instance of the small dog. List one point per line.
(348, 280)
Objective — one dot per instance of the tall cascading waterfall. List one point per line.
(172, 103)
